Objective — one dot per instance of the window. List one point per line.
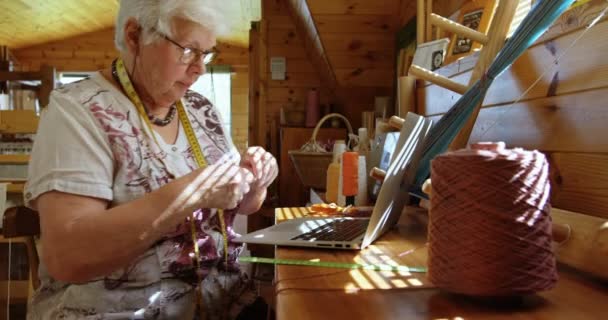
(215, 86)
(521, 12)
(69, 77)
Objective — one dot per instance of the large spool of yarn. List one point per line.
(490, 223)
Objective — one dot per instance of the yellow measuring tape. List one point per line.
(127, 86)
(331, 264)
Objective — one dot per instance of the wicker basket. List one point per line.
(311, 161)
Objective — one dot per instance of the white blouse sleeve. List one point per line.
(71, 153)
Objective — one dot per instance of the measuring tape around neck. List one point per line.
(127, 86)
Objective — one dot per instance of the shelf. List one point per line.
(15, 188)
(14, 158)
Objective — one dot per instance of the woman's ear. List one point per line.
(132, 35)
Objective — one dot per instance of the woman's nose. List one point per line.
(198, 67)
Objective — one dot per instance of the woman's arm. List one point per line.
(83, 239)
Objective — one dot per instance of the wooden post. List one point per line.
(420, 21)
(406, 94)
(429, 27)
(258, 67)
(254, 83)
(437, 79)
(499, 28)
(47, 77)
(585, 243)
(5, 65)
(457, 28)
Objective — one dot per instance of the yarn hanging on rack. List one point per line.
(490, 223)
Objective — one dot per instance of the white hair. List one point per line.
(158, 15)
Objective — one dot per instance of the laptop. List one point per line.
(351, 232)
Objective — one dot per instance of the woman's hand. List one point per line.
(262, 164)
(220, 186)
(264, 168)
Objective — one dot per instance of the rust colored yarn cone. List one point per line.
(489, 227)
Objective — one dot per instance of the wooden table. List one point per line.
(327, 293)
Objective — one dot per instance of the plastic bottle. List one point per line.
(333, 172)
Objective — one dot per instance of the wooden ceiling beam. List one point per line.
(307, 30)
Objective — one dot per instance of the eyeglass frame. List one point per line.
(206, 55)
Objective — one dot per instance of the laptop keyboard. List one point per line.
(337, 230)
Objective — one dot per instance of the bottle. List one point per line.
(350, 177)
(364, 145)
(333, 173)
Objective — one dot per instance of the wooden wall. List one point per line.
(94, 51)
(358, 38)
(563, 115)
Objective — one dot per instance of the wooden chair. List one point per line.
(23, 224)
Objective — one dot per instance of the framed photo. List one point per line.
(474, 14)
(471, 20)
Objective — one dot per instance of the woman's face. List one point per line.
(164, 76)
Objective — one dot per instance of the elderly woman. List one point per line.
(128, 172)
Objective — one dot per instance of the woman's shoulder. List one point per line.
(83, 91)
(200, 105)
(197, 101)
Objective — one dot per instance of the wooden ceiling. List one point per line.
(24, 23)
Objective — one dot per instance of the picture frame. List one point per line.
(477, 15)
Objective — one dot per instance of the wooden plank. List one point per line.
(16, 75)
(421, 21)
(296, 80)
(365, 77)
(240, 79)
(273, 8)
(357, 43)
(284, 95)
(369, 59)
(315, 49)
(14, 158)
(281, 22)
(584, 67)
(574, 19)
(295, 65)
(356, 23)
(47, 84)
(580, 183)
(350, 7)
(290, 52)
(428, 11)
(285, 37)
(18, 121)
(262, 56)
(447, 8)
(407, 11)
(15, 188)
(567, 123)
(27, 24)
(586, 248)
(20, 290)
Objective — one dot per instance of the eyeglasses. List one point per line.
(190, 55)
